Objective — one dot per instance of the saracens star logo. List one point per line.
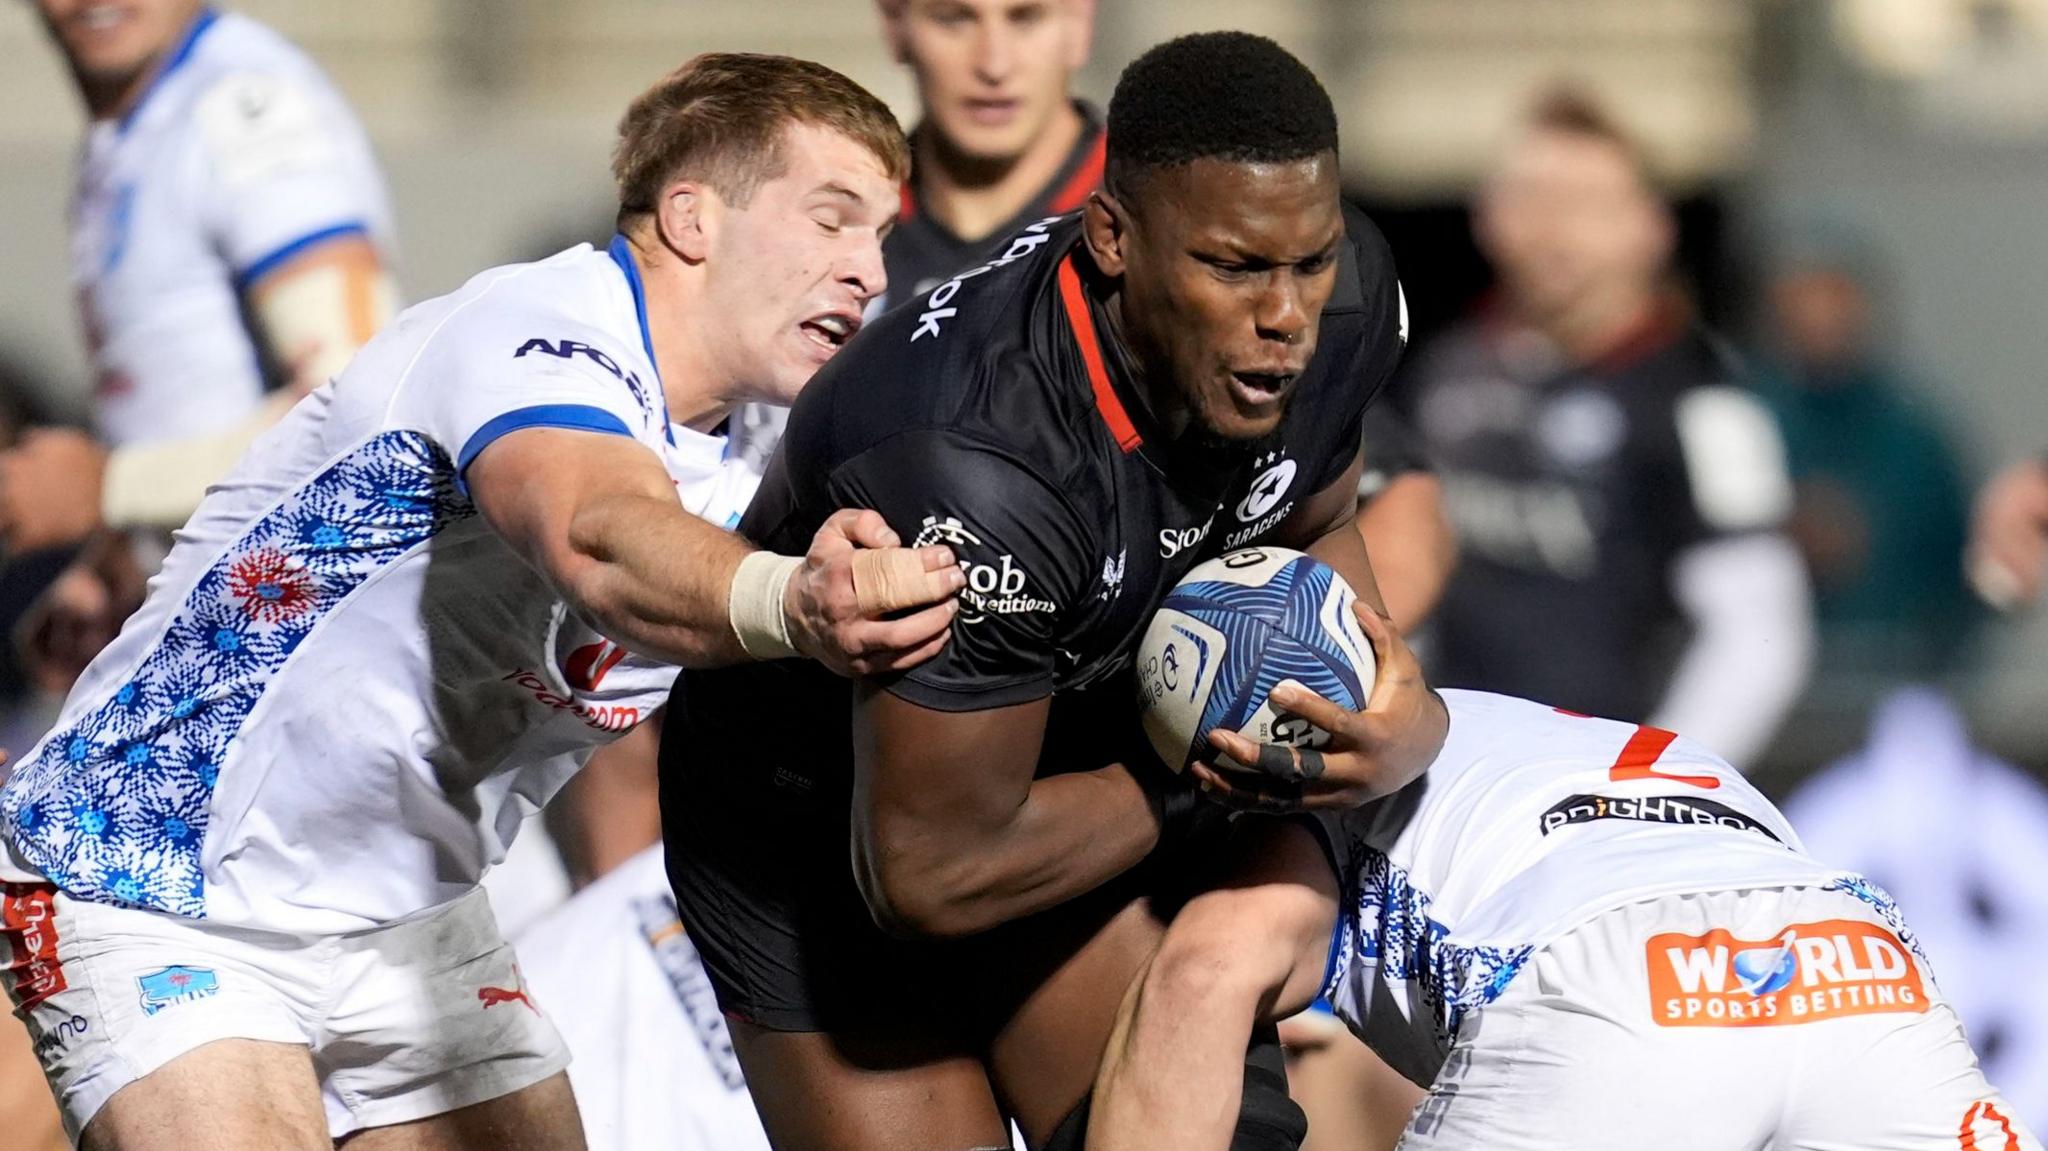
(1268, 488)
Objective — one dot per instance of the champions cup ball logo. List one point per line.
(1809, 971)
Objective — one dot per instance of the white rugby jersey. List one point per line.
(652, 1059)
(1530, 822)
(239, 156)
(344, 691)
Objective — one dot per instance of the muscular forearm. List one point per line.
(1071, 834)
(655, 578)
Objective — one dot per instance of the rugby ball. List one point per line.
(1234, 629)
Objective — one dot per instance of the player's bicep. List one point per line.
(930, 784)
(532, 482)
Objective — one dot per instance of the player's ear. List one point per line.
(679, 217)
(1106, 227)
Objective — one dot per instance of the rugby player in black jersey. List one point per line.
(1179, 371)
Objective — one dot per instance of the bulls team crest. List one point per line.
(1807, 972)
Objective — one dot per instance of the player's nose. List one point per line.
(1279, 312)
(995, 54)
(863, 271)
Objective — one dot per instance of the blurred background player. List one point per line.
(1881, 504)
(1890, 810)
(2008, 551)
(654, 1065)
(230, 249)
(1000, 141)
(1619, 501)
(410, 613)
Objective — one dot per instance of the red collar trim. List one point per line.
(1106, 401)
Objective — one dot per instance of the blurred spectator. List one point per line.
(229, 237)
(1960, 839)
(1000, 142)
(2009, 535)
(1618, 500)
(1880, 499)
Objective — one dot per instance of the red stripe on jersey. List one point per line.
(1106, 402)
(1085, 179)
(1641, 752)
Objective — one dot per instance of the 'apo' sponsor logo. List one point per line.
(936, 306)
(1822, 970)
(569, 349)
(994, 587)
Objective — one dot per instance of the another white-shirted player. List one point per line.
(229, 234)
(654, 1066)
(1576, 932)
(243, 903)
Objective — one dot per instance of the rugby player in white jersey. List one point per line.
(230, 240)
(1577, 933)
(243, 906)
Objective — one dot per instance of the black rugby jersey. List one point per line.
(992, 416)
(1573, 489)
(920, 252)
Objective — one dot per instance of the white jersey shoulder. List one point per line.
(653, 1060)
(1531, 821)
(240, 155)
(345, 693)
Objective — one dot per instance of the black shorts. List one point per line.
(760, 859)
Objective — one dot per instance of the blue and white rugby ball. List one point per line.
(1236, 628)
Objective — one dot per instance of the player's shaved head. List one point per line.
(1221, 222)
(1228, 96)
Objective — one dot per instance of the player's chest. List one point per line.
(1155, 532)
(136, 235)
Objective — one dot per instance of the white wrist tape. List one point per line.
(754, 604)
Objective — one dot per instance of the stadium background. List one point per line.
(1919, 125)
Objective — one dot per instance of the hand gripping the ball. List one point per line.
(1370, 753)
(856, 574)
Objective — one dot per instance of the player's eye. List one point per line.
(1315, 264)
(829, 222)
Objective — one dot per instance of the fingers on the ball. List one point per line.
(1311, 707)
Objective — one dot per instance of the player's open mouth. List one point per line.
(1257, 389)
(831, 331)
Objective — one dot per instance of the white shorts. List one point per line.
(1795, 1019)
(404, 1021)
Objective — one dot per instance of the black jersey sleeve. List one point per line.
(1028, 556)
